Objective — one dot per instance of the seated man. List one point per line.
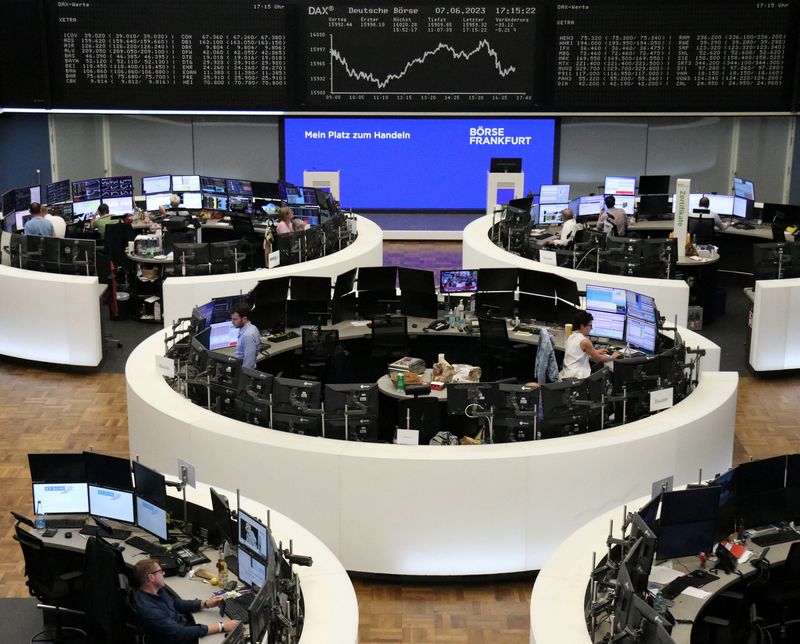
(612, 220)
(37, 224)
(101, 219)
(59, 225)
(166, 619)
(568, 229)
(703, 204)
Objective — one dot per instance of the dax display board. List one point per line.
(455, 57)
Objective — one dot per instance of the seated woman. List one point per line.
(579, 349)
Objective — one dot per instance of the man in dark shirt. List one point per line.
(166, 619)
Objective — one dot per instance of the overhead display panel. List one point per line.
(167, 54)
(666, 56)
(423, 57)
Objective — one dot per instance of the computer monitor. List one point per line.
(108, 471)
(223, 335)
(83, 210)
(252, 570)
(377, 278)
(58, 192)
(606, 298)
(296, 396)
(152, 202)
(744, 188)
(761, 491)
(156, 184)
(192, 200)
(113, 187)
(688, 520)
(119, 205)
(626, 248)
(627, 203)
(458, 281)
(654, 184)
(503, 164)
(588, 206)
(260, 611)
(151, 518)
(213, 185)
(515, 400)
(640, 306)
(86, 190)
(497, 279)
(462, 395)
(742, 208)
(654, 205)
(344, 283)
(253, 535)
(550, 214)
(560, 416)
(720, 204)
(620, 186)
(415, 280)
(111, 503)
(215, 202)
(222, 517)
(57, 468)
(608, 325)
(297, 424)
(239, 187)
(265, 190)
(150, 485)
(185, 183)
(360, 398)
(61, 498)
(554, 194)
(641, 335)
(639, 558)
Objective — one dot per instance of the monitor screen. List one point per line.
(608, 325)
(589, 206)
(641, 306)
(152, 202)
(150, 484)
(550, 214)
(222, 517)
(84, 209)
(156, 184)
(223, 335)
(151, 518)
(57, 468)
(744, 188)
(192, 200)
(309, 196)
(627, 203)
(458, 281)
(215, 202)
(654, 184)
(239, 187)
(620, 186)
(253, 535)
(61, 498)
(554, 194)
(240, 204)
(497, 279)
(111, 471)
(119, 205)
(86, 190)
(688, 520)
(606, 298)
(58, 192)
(113, 187)
(740, 207)
(213, 185)
(251, 571)
(265, 190)
(720, 204)
(641, 335)
(110, 503)
(185, 183)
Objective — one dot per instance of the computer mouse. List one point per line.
(231, 585)
(413, 326)
(68, 535)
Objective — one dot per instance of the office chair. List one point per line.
(315, 243)
(702, 229)
(56, 591)
(253, 241)
(728, 619)
(390, 338)
(779, 228)
(779, 602)
(499, 357)
(117, 237)
(107, 274)
(318, 348)
(421, 413)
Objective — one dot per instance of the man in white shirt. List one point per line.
(568, 229)
(704, 204)
(59, 225)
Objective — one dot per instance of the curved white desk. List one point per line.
(433, 510)
(672, 296)
(776, 311)
(181, 294)
(50, 317)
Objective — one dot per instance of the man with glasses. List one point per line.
(165, 618)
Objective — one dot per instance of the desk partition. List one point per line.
(672, 296)
(434, 510)
(774, 344)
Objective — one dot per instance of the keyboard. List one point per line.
(146, 545)
(73, 522)
(775, 538)
(237, 608)
(93, 531)
(282, 337)
(742, 226)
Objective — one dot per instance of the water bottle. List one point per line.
(222, 569)
(460, 314)
(401, 383)
(39, 524)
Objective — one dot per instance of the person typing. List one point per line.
(249, 341)
(164, 618)
(568, 229)
(579, 349)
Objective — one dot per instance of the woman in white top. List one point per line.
(579, 349)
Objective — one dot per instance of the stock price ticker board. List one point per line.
(666, 56)
(168, 54)
(422, 57)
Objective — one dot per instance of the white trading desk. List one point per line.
(49, 317)
(774, 342)
(672, 296)
(181, 294)
(331, 609)
(434, 510)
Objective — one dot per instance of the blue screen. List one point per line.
(423, 164)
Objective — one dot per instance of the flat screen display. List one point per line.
(550, 214)
(253, 535)
(239, 187)
(151, 518)
(740, 207)
(744, 188)
(554, 194)
(434, 163)
(155, 184)
(215, 202)
(58, 192)
(58, 467)
(192, 200)
(185, 183)
(150, 484)
(153, 202)
(86, 190)
(720, 204)
(641, 335)
(589, 206)
(641, 306)
(213, 185)
(110, 471)
(620, 186)
(606, 298)
(113, 187)
(251, 571)
(459, 281)
(627, 203)
(84, 209)
(608, 325)
(61, 498)
(223, 335)
(110, 503)
(119, 205)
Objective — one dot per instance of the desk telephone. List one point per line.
(438, 325)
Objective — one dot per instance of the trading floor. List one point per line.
(61, 410)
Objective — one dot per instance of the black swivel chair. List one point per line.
(318, 348)
(499, 357)
(55, 590)
(390, 338)
(422, 413)
(253, 240)
(701, 228)
(779, 228)
(780, 601)
(117, 237)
